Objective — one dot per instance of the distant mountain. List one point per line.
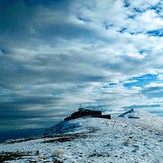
(89, 139)
(18, 134)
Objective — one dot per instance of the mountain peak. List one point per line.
(91, 139)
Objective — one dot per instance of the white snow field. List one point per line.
(136, 137)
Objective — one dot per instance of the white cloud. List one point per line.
(68, 54)
(144, 4)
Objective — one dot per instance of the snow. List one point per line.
(119, 140)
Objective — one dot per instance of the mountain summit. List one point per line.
(89, 139)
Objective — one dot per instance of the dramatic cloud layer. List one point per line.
(57, 54)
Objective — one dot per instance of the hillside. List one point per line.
(119, 140)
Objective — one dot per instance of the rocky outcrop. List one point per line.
(129, 114)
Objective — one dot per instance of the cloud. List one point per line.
(153, 90)
(57, 54)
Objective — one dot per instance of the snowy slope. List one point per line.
(119, 140)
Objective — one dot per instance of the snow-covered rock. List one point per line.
(119, 140)
(130, 114)
(62, 128)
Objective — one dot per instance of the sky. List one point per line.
(58, 54)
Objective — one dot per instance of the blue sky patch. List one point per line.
(126, 3)
(140, 81)
(131, 16)
(157, 8)
(122, 30)
(138, 10)
(156, 33)
(107, 25)
(144, 51)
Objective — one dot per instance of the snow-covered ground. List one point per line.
(119, 140)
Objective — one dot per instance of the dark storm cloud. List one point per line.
(28, 107)
(15, 18)
(24, 22)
